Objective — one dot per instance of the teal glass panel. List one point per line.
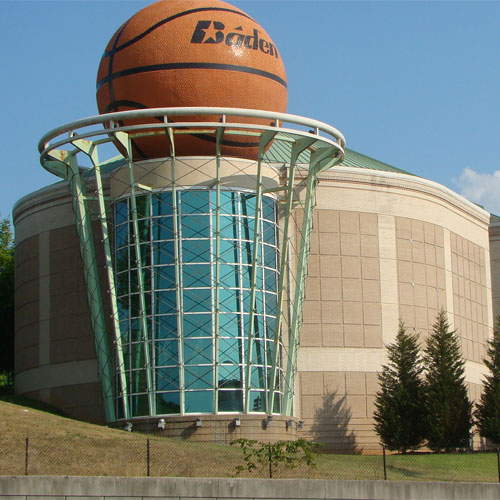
(139, 405)
(145, 249)
(229, 350)
(258, 378)
(269, 233)
(196, 276)
(247, 276)
(165, 302)
(271, 304)
(230, 376)
(258, 354)
(122, 236)
(247, 229)
(137, 381)
(167, 379)
(195, 202)
(197, 300)
(228, 202)
(143, 206)
(135, 330)
(257, 401)
(229, 251)
(229, 325)
(271, 280)
(195, 226)
(197, 325)
(166, 352)
(121, 212)
(270, 326)
(162, 203)
(228, 227)
(277, 403)
(270, 256)
(163, 252)
(259, 304)
(166, 327)
(124, 331)
(199, 401)
(196, 251)
(198, 351)
(258, 325)
(144, 229)
(168, 403)
(248, 205)
(268, 209)
(230, 400)
(164, 277)
(121, 257)
(198, 377)
(163, 228)
(229, 300)
(229, 276)
(123, 307)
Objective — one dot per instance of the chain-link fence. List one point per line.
(162, 457)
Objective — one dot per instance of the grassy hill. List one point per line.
(63, 446)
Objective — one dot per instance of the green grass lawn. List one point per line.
(62, 446)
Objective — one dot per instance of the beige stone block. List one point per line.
(331, 289)
(407, 314)
(349, 222)
(481, 257)
(370, 268)
(460, 265)
(373, 336)
(311, 405)
(465, 248)
(355, 383)
(328, 221)
(334, 382)
(458, 244)
(313, 266)
(311, 311)
(353, 336)
(466, 268)
(372, 314)
(467, 286)
(421, 320)
(331, 311)
(441, 278)
(405, 272)
(372, 383)
(439, 235)
(430, 276)
(312, 290)
(419, 276)
(454, 283)
(350, 244)
(370, 406)
(430, 254)
(330, 266)
(333, 335)
(477, 252)
(311, 383)
(432, 297)
(418, 252)
(440, 257)
(371, 290)
(442, 299)
(429, 233)
(351, 290)
(454, 263)
(417, 230)
(329, 244)
(403, 228)
(368, 224)
(357, 406)
(431, 316)
(351, 267)
(420, 294)
(310, 335)
(404, 248)
(461, 286)
(314, 243)
(369, 246)
(353, 313)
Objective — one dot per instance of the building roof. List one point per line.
(358, 160)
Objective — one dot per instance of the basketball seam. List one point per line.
(168, 19)
(190, 65)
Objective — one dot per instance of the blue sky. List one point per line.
(413, 83)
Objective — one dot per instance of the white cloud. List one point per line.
(483, 189)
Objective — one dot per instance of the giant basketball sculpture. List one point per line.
(183, 53)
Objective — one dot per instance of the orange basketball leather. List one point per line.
(177, 53)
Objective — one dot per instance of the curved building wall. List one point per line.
(385, 246)
(495, 263)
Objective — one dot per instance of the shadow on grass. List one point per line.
(31, 403)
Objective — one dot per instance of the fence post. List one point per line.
(270, 462)
(26, 455)
(498, 464)
(385, 464)
(148, 458)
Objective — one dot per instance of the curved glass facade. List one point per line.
(185, 338)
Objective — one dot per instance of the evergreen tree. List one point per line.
(449, 416)
(400, 410)
(488, 408)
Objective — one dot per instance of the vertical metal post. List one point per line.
(265, 139)
(91, 151)
(146, 340)
(148, 458)
(270, 456)
(26, 456)
(385, 463)
(498, 464)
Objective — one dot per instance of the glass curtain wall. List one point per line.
(193, 368)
